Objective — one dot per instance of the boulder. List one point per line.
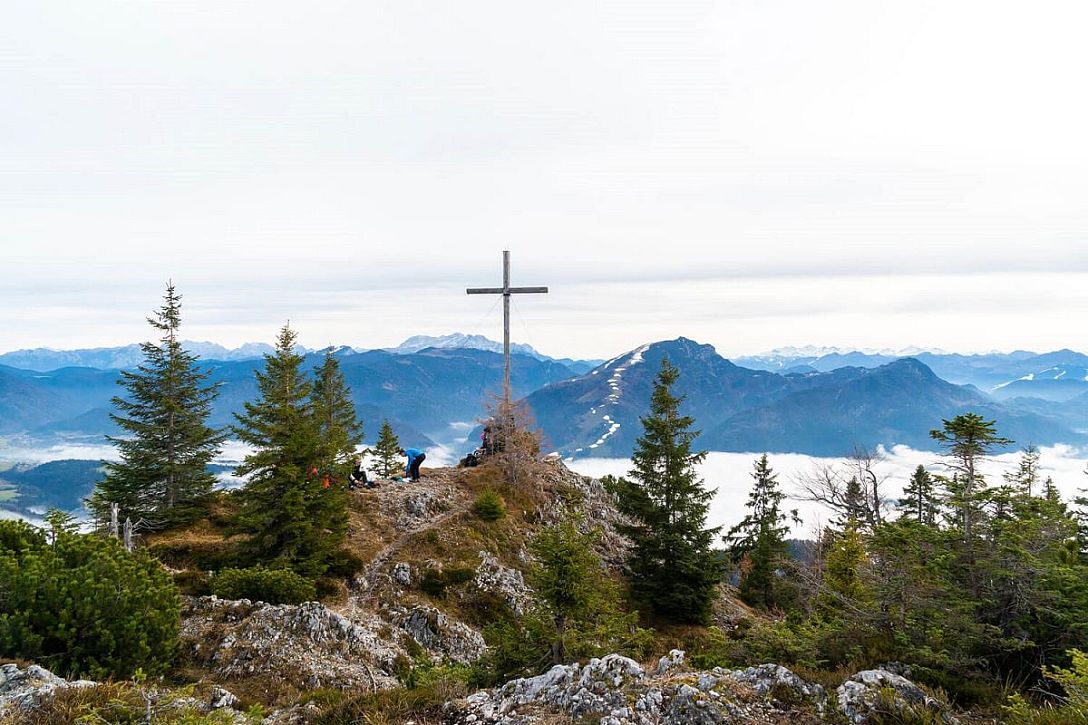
(776, 680)
(872, 692)
(443, 637)
(308, 645)
(402, 573)
(27, 688)
(221, 698)
(506, 583)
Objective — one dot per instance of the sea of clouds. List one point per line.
(730, 474)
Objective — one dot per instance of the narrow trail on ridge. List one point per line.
(416, 508)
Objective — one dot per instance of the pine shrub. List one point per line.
(489, 506)
(80, 604)
(259, 584)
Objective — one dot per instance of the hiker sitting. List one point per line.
(358, 476)
(472, 459)
(415, 457)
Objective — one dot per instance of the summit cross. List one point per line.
(506, 290)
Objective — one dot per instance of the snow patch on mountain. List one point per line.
(633, 358)
(612, 428)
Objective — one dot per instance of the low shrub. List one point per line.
(274, 586)
(435, 581)
(345, 564)
(489, 506)
(192, 582)
(1072, 708)
(83, 605)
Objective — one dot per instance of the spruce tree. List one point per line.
(920, 502)
(672, 566)
(1026, 475)
(339, 429)
(387, 458)
(967, 440)
(855, 507)
(843, 572)
(759, 540)
(162, 475)
(339, 435)
(567, 579)
(292, 518)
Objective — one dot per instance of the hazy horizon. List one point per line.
(798, 349)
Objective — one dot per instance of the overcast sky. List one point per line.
(749, 173)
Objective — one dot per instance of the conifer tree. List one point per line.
(567, 579)
(339, 429)
(760, 538)
(919, 500)
(843, 576)
(387, 458)
(672, 566)
(854, 505)
(1026, 475)
(292, 518)
(162, 474)
(967, 439)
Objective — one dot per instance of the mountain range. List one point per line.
(437, 393)
(741, 409)
(1060, 375)
(422, 393)
(124, 357)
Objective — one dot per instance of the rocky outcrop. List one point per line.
(872, 692)
(25, 689)
(307, 645)
(593, 505)
(410, 505)
(444, 638)
(615, 690)
(402, 573)
(504, 582)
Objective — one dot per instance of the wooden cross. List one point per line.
(506, 290)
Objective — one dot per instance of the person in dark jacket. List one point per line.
(415, 457)
(358, 475)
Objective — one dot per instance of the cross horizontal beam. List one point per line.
(503, 290)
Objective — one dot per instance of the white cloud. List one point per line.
(730, 473)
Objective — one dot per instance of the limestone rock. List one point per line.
(504, 582)
(674, 660)
(777, 680)
(441, 636)
(307, 645)
(221, 698)
(877, 691)
(615, 690)
(402, 573)
(25, 689)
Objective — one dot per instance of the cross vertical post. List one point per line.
(506, 290)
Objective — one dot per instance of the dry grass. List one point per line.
(423, 705)
(117, 703)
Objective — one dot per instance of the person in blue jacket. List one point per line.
(415, 457)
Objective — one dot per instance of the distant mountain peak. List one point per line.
(415, 343)
(817, 351)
